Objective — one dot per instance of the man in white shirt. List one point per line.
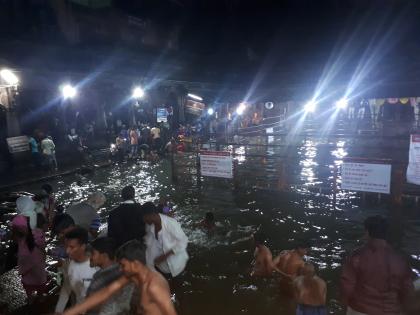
(157, 142)
(166, 242)
(48, 150)
(77, 272)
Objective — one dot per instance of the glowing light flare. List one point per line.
(210, 111)
(310, 107)
(195, 97)
(342, 103)
(138, 92)
(68, 91)
(241, 108)
(9, 77)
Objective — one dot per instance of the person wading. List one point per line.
(155, 298)
(125, 222)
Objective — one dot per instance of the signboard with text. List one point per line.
(162, 115)
(216, 164)
(366, 176)
(413, 169)
(18, 144)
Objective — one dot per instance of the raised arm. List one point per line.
(98, 297)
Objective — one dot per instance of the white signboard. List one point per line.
(369, 177)
(18, 144)
(216, 164)
(413, 169)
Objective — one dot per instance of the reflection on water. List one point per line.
(217, 277)
(308, 153)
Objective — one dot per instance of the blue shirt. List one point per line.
(34, 145)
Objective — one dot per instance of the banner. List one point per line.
(413, 169)
(216, 164)
(162, 115)
(366, 176)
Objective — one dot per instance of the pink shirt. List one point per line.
(32, 264)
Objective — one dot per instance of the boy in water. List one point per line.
(155, 296)
(208, 223)
(310, 292)
(263, 259)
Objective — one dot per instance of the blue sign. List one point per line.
(162, 115)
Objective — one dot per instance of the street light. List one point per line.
(342, 103)
(310, 107)
(9, 77)
(210, 111)
(138, 92)
(68, 91)
(241, 108)
(195, 97)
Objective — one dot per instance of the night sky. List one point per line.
(287, 42)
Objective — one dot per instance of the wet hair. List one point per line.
(210, 216)
(133, 251)
(48, 188)
(79, 234)
(105, 245)
(61, 222)
(260, 237)
(149, 208)
(128, 193)
(377, 227)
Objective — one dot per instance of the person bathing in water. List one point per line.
(208, 223)
(263, 259)
(310, 292)
(290, 263)
(155, 298)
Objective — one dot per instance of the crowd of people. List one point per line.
(142, 248)
(126, 268)
(375, 279)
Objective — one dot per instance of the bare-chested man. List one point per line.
(310, 292)
(154, 290)
(263, 259)
(291, 262)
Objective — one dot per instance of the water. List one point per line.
(217, 278)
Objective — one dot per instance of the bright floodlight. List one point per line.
(68, 91)
(195, 97)
(310, 107)
(9, 77)
(342, 103)
(210, 111)
(241, 108)
(138, 92)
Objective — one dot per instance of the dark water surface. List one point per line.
(217, 279)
